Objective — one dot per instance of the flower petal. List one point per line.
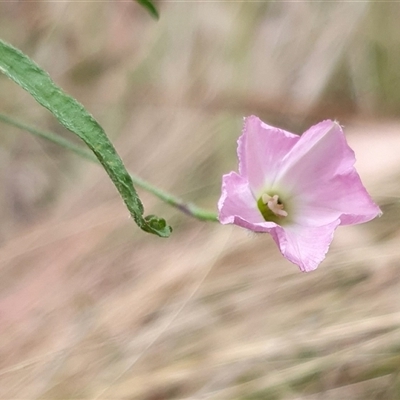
(344, 197)
(305, 246)
(261, 149)
(320, 174)
(322, 152)
(238, 206)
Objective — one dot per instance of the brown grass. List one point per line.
(91, 307)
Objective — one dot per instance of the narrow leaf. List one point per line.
(150, 7)
(23, 71)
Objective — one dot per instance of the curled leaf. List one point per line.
(71, 114)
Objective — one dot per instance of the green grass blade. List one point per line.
(23, 71)
(150, 7)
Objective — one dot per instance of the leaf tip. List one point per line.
(150, 7)
(157, 225)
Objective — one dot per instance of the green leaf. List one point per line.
(150, 7)
(23, 71)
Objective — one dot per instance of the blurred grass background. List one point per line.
(91, 307)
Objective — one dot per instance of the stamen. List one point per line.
(274, 204)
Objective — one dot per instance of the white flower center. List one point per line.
(272, 202)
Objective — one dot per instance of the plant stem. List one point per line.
(187, 208)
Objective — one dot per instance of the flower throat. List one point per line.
(271, 208)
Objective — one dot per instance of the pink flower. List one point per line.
(297, 188)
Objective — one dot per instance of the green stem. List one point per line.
(187, 208)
